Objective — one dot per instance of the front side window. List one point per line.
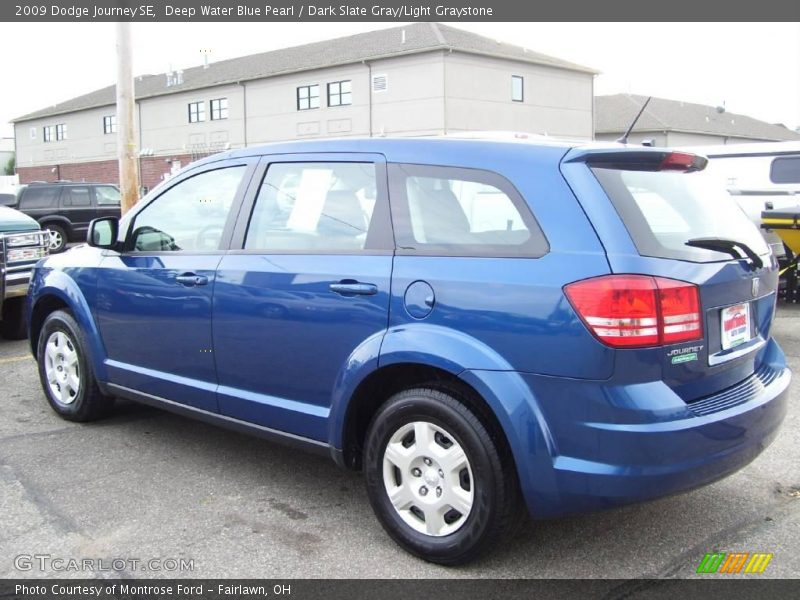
(313, 207)
(107, 195)
(517, 88)
(189, 216)
(461, 212)
(197, 112)
(339, 93)
(47, 133)
(61, 132)
(219, 109)
(110, 124)
(307, 97)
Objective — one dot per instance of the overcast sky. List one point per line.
(753, 68)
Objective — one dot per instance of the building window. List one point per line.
(110, 124)
(307, 97)
(197, 112)
(47, 133)
(517, 88)
(219, 109)
(61, 131)
(339, 93)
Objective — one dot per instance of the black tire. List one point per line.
(58, 238)
(496, 501)
(13, 324)
(87, 402)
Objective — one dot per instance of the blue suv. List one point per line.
(478, 325)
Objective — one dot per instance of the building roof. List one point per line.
(614, 114)
(397, 41)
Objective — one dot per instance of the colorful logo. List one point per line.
(734, 562)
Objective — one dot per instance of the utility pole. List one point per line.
(126, 138)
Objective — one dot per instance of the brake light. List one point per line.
(628, 311)
(681, 161)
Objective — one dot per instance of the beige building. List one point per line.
(674, 123)
(421, 79)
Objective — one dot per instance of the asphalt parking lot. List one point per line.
(145, 484)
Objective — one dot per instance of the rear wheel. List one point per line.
(58, 238)
(437, 482)
(13, 325)
(65, 372)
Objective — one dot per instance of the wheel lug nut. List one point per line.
(438, 492)
(441, 473)
(416, 472)
(423, 491)
(427, 461)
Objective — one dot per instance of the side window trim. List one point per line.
(250, 164)
(536, 247)
(380, 239)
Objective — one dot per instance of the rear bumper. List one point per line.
(614, 445)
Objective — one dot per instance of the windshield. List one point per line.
(663, 210)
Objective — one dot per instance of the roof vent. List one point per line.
(380, 83)
(206, 54)
(402, 36)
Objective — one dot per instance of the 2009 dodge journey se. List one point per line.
(479, 325)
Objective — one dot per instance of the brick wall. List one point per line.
(151, 170)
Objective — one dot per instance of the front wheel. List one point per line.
(65, 372)
(438, 483)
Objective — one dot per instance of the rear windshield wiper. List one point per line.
(732, 247)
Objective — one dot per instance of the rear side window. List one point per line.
(40, 197)
(312, 207)
(785, 169)
(663, 210)
(74, 196)
(449, 211)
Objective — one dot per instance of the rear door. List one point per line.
(658, 215)
(77, 207)
(308, 285)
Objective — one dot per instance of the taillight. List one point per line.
(627, 311)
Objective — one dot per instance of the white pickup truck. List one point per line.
(761, 176)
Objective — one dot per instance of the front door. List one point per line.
(309, 285)
(154, 299)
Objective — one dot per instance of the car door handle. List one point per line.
(191, 280)
(354, 288)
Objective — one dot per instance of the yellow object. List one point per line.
(786, 225)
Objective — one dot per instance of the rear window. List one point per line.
(663, 210)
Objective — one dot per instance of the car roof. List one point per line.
(420, 146)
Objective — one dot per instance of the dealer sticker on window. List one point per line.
(735, 328)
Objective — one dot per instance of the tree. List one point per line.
(11, 165)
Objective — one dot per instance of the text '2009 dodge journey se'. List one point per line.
(478, 325)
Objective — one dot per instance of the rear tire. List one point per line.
(64, 370)
(438, 483)
(13, 325)
(58, 238)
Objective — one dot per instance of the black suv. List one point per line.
(67, 208)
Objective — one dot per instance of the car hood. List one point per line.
(13, 220)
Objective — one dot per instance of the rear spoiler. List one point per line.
(641, 160)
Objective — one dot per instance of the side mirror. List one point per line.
(103, 232)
